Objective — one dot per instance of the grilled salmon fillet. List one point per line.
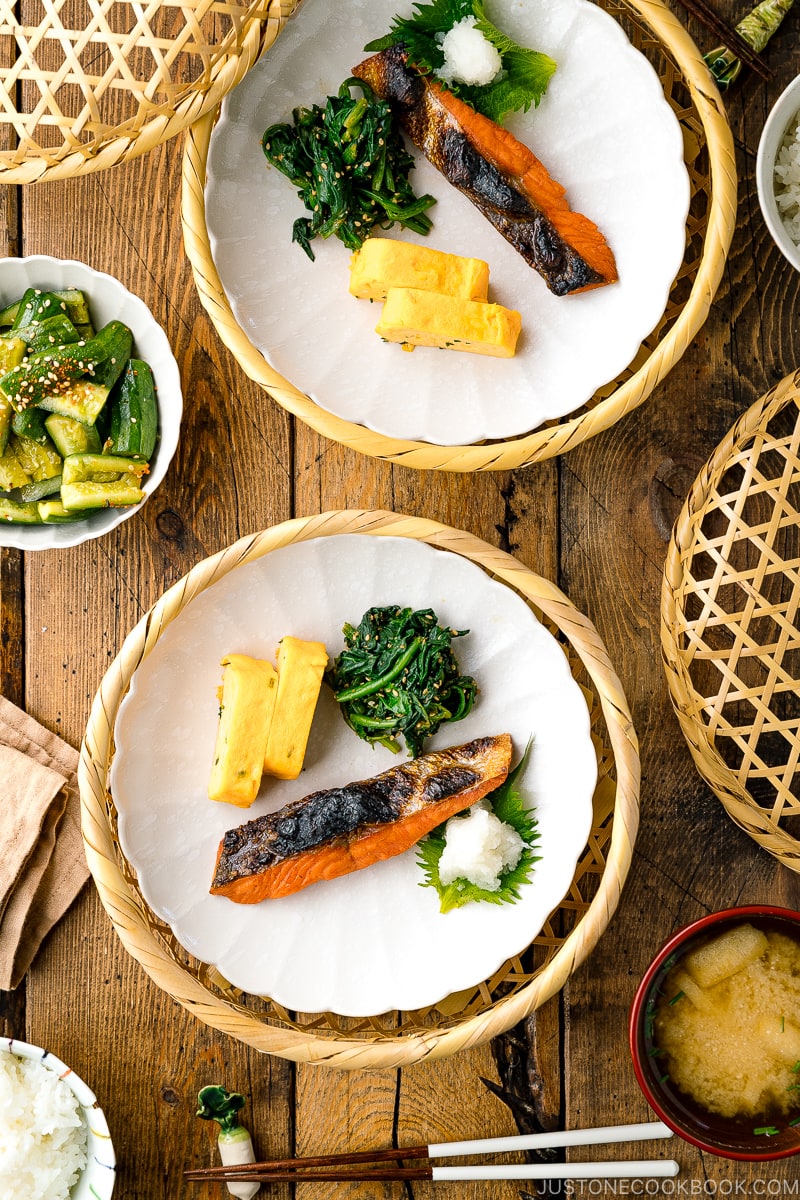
(500, 175)
(340, 830)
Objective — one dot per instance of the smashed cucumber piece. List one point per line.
(37, 461)
(12, 352)
(38, 305)
(101, 481)
(19, 513)
(49, 334)
(12, 474)
(70, 436)
(134, 412)
(41, 490)
(108, 351)
(30, 423)
(52, 512)
(6, 419)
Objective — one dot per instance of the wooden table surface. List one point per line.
(596, 522)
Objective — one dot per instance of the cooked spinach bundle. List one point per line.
(350, 164)
(398, 675)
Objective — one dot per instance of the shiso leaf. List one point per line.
(525, 74)
(508, 806)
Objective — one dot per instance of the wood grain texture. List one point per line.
(596, 522)
(690, 859)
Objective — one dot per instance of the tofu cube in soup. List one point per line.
(726, 955)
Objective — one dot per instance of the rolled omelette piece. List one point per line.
(344, 829)
(382, 263)
(417, 318)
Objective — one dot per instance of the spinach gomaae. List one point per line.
(398, 675)
(349, 162)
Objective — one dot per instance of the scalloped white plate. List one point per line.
(108, 300)
(375, 940)
(604, 130)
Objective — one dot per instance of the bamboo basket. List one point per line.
(710, 162)
(460, 1021)
(84, 85)
(730, 627)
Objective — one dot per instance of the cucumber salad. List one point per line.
(78, 413)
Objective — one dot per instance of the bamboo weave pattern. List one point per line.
(730, 621)
(469, 1018)
(84, 85)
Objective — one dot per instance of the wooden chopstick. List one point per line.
(255, 1173)
(279, 1169)
(656, 1168)
(316, 1160)
(730, 37)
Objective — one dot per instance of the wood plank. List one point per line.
(622, 494)
(229, 476)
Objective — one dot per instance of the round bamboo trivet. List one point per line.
(469, 1018)
(730, 625)
(87, 85)
(710, 162)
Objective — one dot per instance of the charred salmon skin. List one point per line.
(343, 829)
(500, 175)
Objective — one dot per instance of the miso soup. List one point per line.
(727, 1024)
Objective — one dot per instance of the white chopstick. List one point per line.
(564, 1137)
(589, 1170)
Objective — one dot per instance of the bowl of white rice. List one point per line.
(778, 173)
(54, 1139)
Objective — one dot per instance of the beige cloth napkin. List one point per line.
(42, 862)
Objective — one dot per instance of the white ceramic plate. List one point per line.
(375, 940)
(108, 301)
(604, 130)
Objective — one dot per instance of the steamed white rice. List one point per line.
(479, 848)
(468, 56)
(787, 179)
(42, 1132)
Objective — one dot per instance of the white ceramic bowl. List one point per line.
(97, 1180)
(784, 111)
(108, 300)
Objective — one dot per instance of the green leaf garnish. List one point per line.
(766, 1131)
(525, 73)
(508, 806)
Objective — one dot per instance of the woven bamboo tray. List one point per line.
(92, 83)
(730, 625)
(469, 1018)
(710, 162)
